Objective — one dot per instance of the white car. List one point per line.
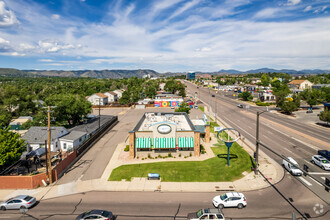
(321, 162)
(230, 199)
(18, 202)
(292, 167)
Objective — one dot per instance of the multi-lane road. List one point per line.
(285, 135)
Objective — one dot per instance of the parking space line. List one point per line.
(305, 181)
(322, 177)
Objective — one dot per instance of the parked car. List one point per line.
(18, 202)
(321, 162)
(240, 106)
(230, 199)
(324, 153)
(206, 214)
(96, 214)
(196, 107)
(213, 95)
(292, 167)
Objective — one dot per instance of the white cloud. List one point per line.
(323, 8)
(308, 8)
(7, 17)
(293, 2)
(3, 41)
(267, 13)
(16, 54)
(46, 60)
(53, 46)
(184, 8)
(56, 16)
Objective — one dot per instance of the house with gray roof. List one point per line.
(35, 137)
(73, 140)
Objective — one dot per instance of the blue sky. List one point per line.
(165, 35)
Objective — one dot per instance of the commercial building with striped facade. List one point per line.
(163, 133)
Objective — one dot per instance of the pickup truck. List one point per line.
(324, 153)
(206, 214)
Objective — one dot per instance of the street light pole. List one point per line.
(257, 142)
(209, 103)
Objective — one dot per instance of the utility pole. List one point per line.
(46, 152)
(49, 150)
(99, 113)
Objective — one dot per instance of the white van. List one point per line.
(292, 167)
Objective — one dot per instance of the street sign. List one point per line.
(218, 128)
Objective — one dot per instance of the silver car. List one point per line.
(18, 202)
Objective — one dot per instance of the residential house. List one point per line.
(119, 93)
(266, 95)
(73, 140)
(98, 99)
(300, 84)
(15, 124)
(112, 97)
(162, 86)
(35, 137)
(255, 80)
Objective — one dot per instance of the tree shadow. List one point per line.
(324, 124)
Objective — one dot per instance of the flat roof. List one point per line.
(181, 119)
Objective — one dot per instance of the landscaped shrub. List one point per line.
(126, 148)
(263, 103)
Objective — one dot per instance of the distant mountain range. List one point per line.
(116, 74)
(267, 70)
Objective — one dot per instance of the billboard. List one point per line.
(167, 103)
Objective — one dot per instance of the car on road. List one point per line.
(96, 214)
(292, 167)
(18, 202)
(213, 95)
(240, 106)
(321, 162)
(206, 214)
(230, 199)
(324, 153)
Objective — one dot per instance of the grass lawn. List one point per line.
(212, 170)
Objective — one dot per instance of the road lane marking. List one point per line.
(288, 150)
(308, 145)
(322, 177)
(305, 181)
(316, 181)
(308, 161)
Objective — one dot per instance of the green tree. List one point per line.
(5, 117)
(125, 98)
(184, 107)
(312, 96)
(70, 108)
(265, 80)
(11, 147)
(246, 96)
(280, 90)
(325, 116)
(288, 107)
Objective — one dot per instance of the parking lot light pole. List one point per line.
(257, 143)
